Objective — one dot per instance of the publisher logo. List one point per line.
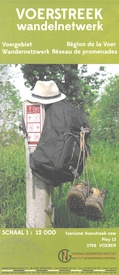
(64, 256)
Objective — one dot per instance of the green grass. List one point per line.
(102, 168)
(12, 185)
(103, 165)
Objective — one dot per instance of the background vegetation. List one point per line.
(103, 165)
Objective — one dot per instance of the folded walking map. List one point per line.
(76, 44)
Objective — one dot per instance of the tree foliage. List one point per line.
(94, 80)
(69, 80)
(10, 105)
(105, 115)
(65, 76)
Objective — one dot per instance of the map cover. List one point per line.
(75, 44)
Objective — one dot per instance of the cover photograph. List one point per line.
(59, 137)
